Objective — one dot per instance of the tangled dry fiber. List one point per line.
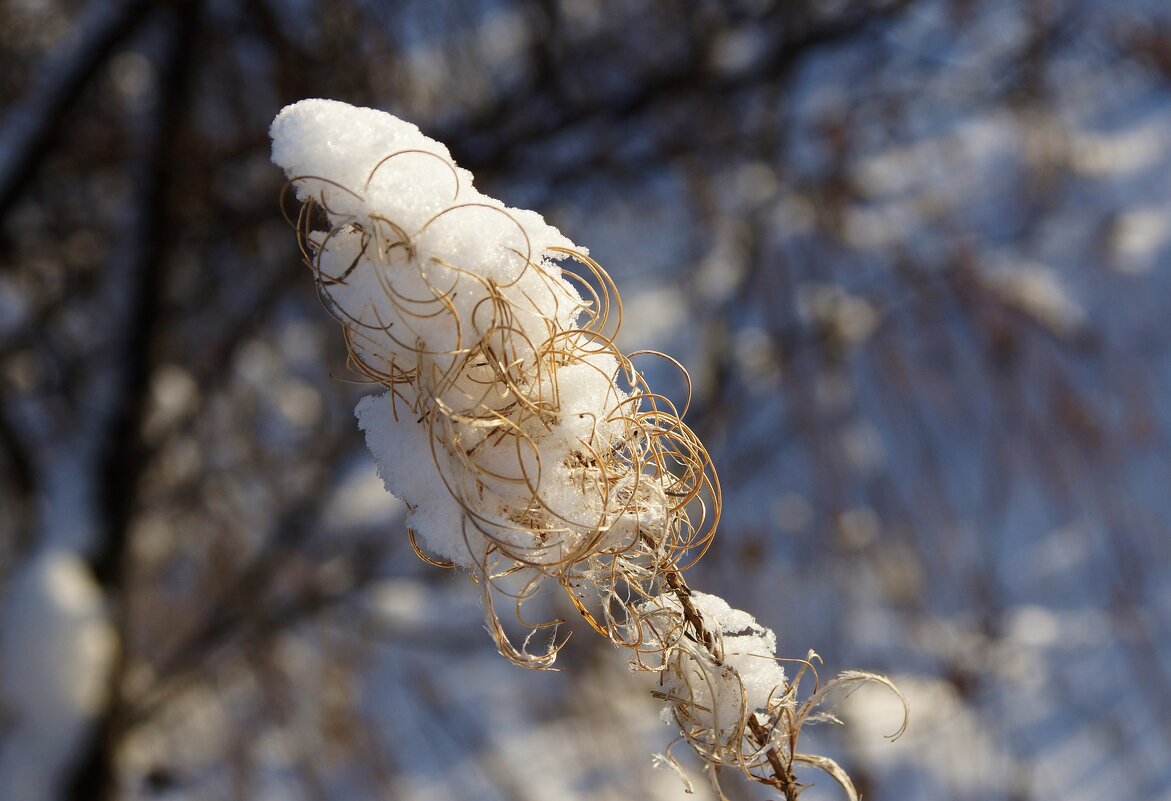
(562, 467)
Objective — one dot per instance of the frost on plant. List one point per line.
(527, 448)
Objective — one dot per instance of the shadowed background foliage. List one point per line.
(915, 254)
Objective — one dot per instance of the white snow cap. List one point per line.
(415, 253)
(370, 164)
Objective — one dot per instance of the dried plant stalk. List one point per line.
(550, 462)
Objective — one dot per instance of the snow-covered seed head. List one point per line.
(527, 448)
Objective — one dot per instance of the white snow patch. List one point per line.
(714, 695)
(1139, 236)
(57, 646)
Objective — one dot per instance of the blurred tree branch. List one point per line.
(31, 130)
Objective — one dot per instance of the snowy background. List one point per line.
(915, 253)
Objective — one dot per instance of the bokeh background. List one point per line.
(916, 255)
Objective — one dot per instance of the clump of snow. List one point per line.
(56, 632)
(402, 448)
(56, 650)
(417, 263)
(1039, 292)
(702, 691)
(343, 144)
(1139, 237)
